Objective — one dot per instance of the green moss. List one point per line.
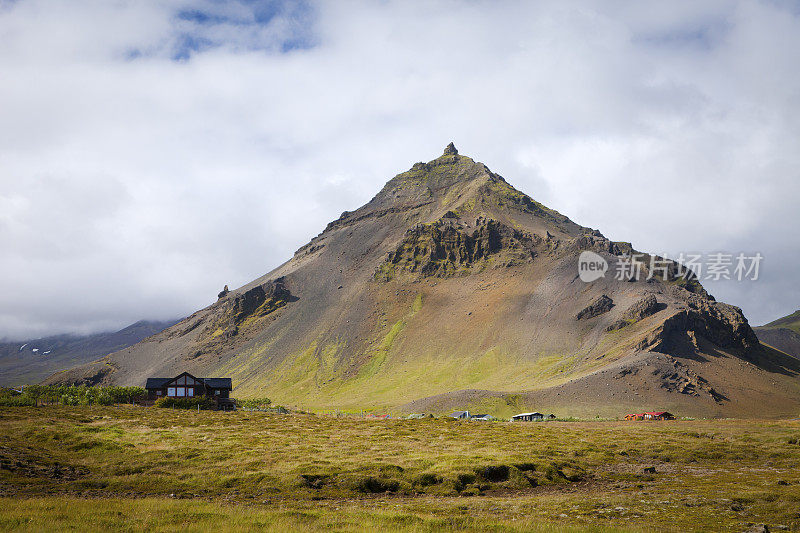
(466, 207)
(505, 194)
(378, 356)
(299, 372)
(268, 306)
(416, 306)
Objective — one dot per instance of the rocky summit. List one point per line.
(452, 289)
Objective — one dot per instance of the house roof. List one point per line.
(154, 383)
(218, 383)
(214, 383)
(459, 413)
(527, 414)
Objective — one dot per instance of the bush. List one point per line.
(82, 395)
(494, 473)
(425, 480)
(17, 401)
(462, 480)
(254, 403)
(74, 395)
(186, 403)
(376, 485)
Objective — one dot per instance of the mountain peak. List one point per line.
(450, 149)
(452, 287)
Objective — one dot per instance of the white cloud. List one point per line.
(153, 152)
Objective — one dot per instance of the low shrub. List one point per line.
(74, 395)
(314, 481)
(493, 473)
(22, 400)
(376, 485)
(462, 480)
(186, 403)
(254, 404)
(425, 480)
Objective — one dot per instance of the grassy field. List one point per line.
(135, 468)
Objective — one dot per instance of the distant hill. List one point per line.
(33, 360)
(791, 322)
(783, 334)
(451, 289)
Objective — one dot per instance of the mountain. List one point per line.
(450, 288)
(33, 360)
(783, 334)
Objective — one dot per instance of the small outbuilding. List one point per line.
(659, 415)
(461, 415)
(656, 415)
(481, 417)
(527, 417)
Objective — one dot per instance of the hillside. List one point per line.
(31, 361)
(783, 334)
(791, 322)
(451, 288)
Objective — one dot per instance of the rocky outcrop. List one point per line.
(447, 248)
(601, 305)
(223, 293)
(450, 149)
(675, 376)
(722, 324)
(260, 300)
(231, 314)
(642, 308)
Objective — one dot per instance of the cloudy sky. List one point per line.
(152, 152)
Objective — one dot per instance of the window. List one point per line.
(181, 392)
(182, 380)
(216, 392)
(171, 391)
(158, 393)
(190, 392)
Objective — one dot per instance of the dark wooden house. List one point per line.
(186, 385)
